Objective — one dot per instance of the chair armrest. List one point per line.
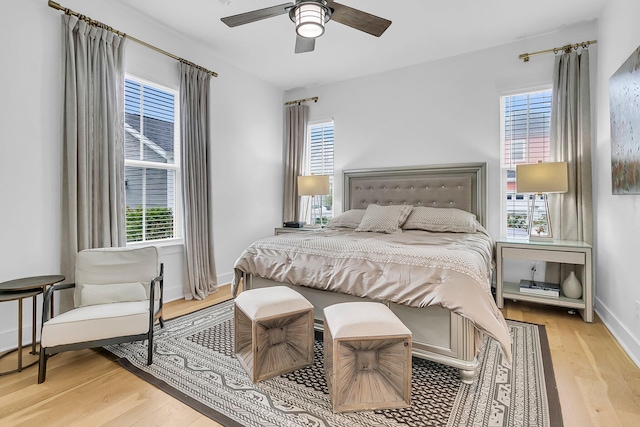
(46, 314)
(159, 280)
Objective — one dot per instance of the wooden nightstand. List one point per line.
(560, 251)
(284, 230)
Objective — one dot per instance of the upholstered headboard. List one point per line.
(461, 186)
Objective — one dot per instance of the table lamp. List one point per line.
(541, 179)
(313, 185)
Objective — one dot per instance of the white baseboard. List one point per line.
(626, 340)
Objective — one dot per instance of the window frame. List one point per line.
(506, 196)
(175, 167)
(308, 168)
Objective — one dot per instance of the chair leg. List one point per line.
(150, 348)
(161, 322)
(42, 366)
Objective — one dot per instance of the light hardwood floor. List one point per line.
(597, 382)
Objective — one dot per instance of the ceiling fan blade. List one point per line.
(358, 19)
(304, 44)
(257, 15)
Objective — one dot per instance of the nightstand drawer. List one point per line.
(548, 256)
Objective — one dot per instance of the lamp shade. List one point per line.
(542, 178)
(309, 18)
(313, 185)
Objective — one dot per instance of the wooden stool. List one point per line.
(273, 331)
(367, 357)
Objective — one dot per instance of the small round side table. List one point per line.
(19, 289)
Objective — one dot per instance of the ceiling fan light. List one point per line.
(310, 19)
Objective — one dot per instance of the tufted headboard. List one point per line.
(462, 186)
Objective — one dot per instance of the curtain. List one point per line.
(93, 212)
(571, 142)
(196, 196)
(296, 120)
(571, 212)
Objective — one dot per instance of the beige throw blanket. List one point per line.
(413, 268)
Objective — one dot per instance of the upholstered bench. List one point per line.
(273, 331)
(367, 357)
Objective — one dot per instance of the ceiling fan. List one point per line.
(310, 16)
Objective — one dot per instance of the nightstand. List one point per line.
(284, 230)
(560, 251)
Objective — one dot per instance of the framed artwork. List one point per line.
(624, 103)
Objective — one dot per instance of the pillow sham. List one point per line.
(348, 219)
(384, 219)
(111, 293)
(440, 219)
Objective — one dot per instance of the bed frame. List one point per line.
(438, 334)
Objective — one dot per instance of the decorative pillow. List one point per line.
(384, 219)
(107, 294)
(348, 219)
(440, 219)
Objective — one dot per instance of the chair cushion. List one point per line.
(272, 301)
(362, 319)
(96, 322)
(115, 265)
(110, 293)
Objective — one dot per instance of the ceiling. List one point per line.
(422, 30)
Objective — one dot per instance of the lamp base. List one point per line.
(546, 239)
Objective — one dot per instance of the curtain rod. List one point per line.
(106, 27)
(298, 101)
(565, 49)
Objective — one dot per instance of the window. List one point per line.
(525, 138)
(320, 140)
(152, 164)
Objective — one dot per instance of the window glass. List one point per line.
(151, 169)
(525, 138)
(320, 142)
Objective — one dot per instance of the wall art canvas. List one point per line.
(624, 102)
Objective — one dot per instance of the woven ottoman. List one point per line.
(273, 331)
(367, 357)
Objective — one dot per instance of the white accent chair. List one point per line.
(117, 298)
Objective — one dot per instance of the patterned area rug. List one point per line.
(194, 362)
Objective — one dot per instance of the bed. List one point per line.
(436, 282)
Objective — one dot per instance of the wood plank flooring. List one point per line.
(597, 382)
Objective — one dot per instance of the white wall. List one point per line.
(617, 219)
(246, 128)
(444, 111)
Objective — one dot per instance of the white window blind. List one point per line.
(152, 168)
(320, 142)
(525, 131)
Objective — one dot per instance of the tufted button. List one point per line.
(427, 187)
(357, 188)
(435, 203)
(384, 188)
(390, 202)
(419, 203)
(404, 203)
(411, 188)
(443, 186)
(397, 188)
(450, 203)
(364, 203)
(459, 186)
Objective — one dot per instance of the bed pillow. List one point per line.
(384, 219)
(110, 293)
(440, 219)
(348, 219)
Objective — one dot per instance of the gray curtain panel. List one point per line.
(296, 119)
(572, 212)
(93, 210)
(201, 277)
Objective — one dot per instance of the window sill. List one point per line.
(168, 245)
